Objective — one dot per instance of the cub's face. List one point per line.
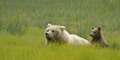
(53, 31)
(95, 32)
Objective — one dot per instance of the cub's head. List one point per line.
(95, 32)
(53, 31)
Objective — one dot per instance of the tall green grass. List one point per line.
(79, 13)
(31, 46)
(13, 25)
(22, 25)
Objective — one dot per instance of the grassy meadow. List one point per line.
(22, 25)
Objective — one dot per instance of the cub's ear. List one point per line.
(99, 28)
(93, 27)
(62, 27)
(48, 25)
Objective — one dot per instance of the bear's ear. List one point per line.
(62, 27)
(48, 25)
(93, 27)
(99, 28)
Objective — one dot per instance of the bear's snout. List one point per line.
(91, 35)
(46, 33)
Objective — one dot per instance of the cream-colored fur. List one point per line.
(56, 33)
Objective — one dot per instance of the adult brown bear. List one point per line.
(57, 33)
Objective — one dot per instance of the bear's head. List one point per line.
(53, 31)
(95, 32)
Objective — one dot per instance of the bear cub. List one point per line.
(97, 37)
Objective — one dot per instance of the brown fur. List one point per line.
(97, 37)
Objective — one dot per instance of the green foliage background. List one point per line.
(22, 25)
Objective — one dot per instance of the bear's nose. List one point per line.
(90, 34)
(46, 33)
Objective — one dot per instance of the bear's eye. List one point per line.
(94, 32)
(53, 31)
(47, 30)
